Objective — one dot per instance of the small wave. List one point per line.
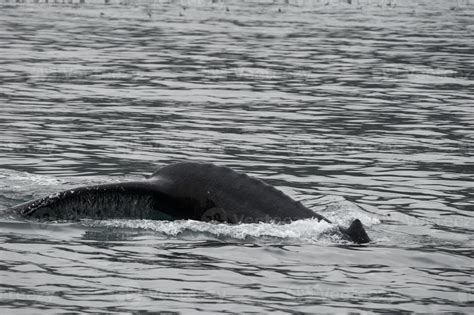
(342, 212)
(336, 208)
(14, 179)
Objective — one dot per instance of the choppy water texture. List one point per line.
(358, 110)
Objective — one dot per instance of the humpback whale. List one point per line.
(180, 191)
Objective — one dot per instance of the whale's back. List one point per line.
(237, 196)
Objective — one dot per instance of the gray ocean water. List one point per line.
(359, 110)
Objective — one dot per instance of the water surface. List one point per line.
(356, 110)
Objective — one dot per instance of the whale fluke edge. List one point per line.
(180, 191)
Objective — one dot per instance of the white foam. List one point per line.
(305, 230)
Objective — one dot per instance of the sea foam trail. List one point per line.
(309, 230)
(341, 212)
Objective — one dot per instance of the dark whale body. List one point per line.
(185, 190)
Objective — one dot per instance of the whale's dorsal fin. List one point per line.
(356, 232)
